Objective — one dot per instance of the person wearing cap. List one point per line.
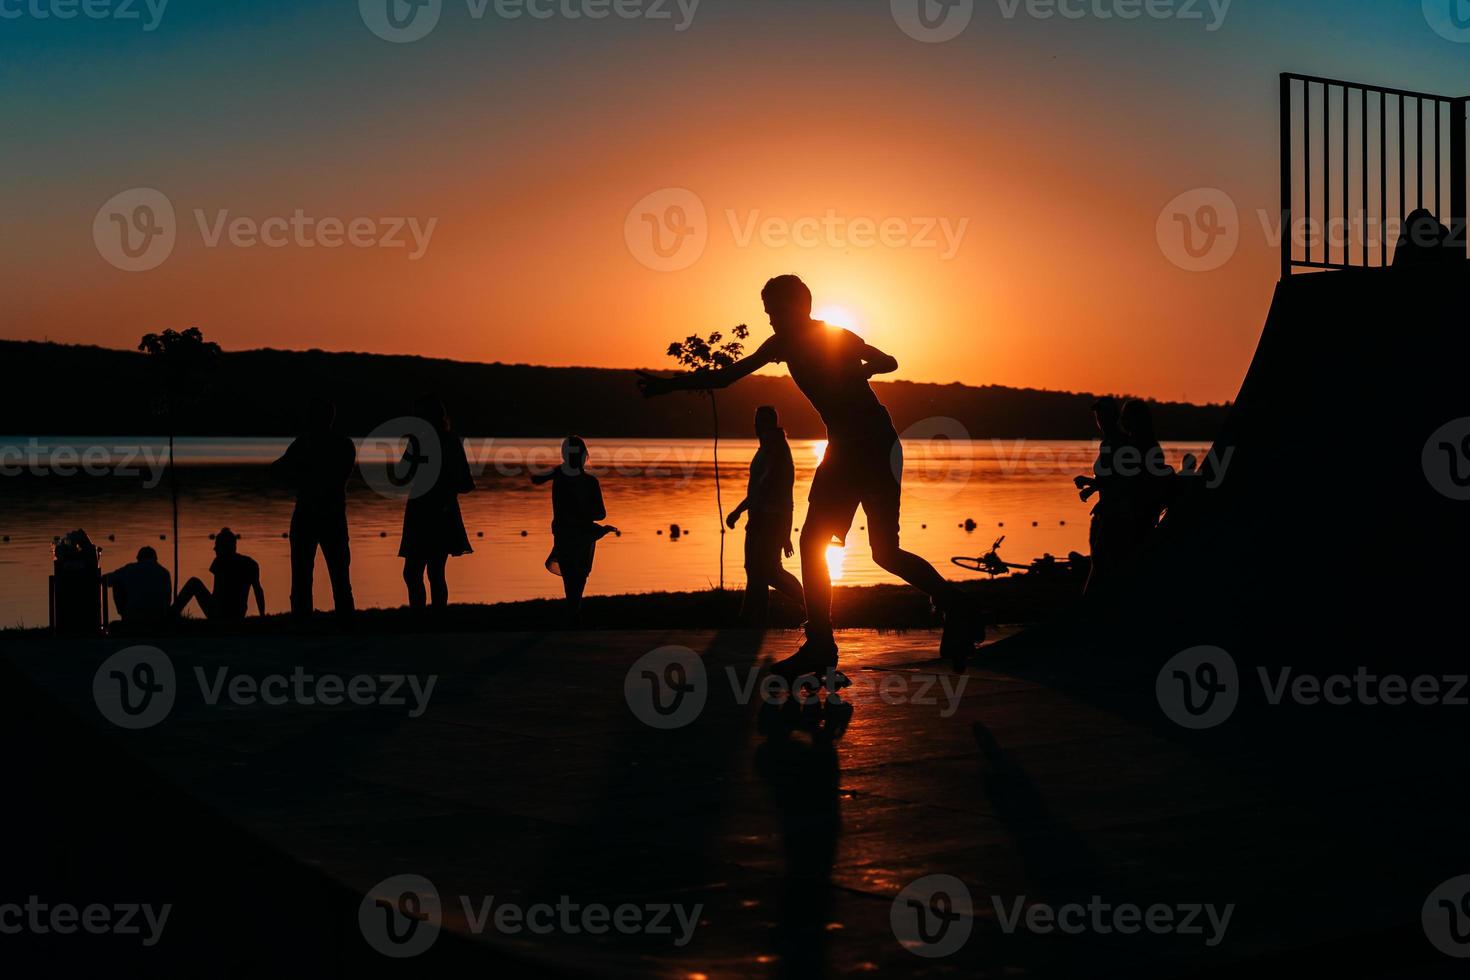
(141, 589)
(235, 577)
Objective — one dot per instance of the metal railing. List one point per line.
(1367, 156)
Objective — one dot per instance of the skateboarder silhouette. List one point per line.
(863, 465)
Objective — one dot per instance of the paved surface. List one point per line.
(528, 777)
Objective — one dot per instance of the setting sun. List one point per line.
(836, 316)
(836, 555)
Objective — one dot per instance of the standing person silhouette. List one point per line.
(576, 508)
(1109, 533)
(768, 501)
(863, 465)
(317, 465)
(433, 528)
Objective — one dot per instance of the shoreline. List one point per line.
(1016, 600)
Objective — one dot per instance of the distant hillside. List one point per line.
(56, 389)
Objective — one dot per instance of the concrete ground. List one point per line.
(529, 774)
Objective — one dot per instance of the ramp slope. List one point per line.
(1324, 540)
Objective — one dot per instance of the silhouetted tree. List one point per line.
(183, 362)
(706, 354)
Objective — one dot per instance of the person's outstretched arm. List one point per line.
(705, 380)
(734, 516)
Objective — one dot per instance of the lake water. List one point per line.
(118, 491)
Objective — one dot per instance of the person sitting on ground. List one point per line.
(768, 501)
(235, 577)
(142, 589)
(576, 508)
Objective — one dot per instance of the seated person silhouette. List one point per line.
(768, 501)
(863, 465)
(317, 465)
(1425, 243)
(142, 589)
(235, 577)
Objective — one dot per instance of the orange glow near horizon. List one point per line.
(978, 247)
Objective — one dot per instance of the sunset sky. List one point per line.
(524, 145)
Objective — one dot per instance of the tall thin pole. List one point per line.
(1403, 177)
(1419, 145)
(1458, 209)
(1347, 235)
(1383, 178)
(1286, 175)
(1307, 164)
(1438, 155)
(719, 503)
(1326, 172)
(1363, 126)
(173, 482)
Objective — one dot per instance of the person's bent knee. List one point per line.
(886, 554)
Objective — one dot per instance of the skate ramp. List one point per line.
(1322, 538)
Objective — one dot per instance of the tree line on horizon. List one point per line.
(61, 389)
